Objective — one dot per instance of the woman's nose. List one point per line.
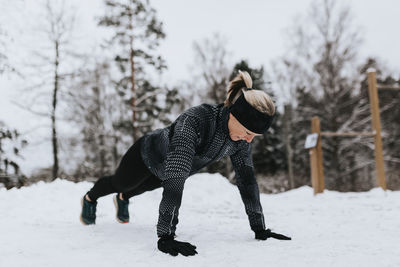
(249, 138)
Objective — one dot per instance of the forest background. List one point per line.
(73, 101)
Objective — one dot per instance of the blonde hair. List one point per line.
(258, 99)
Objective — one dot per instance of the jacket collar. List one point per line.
(223, 118)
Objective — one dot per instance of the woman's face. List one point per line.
(238, 132)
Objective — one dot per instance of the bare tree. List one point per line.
(3, 56)
(93, 108)
(5, 40)
(319, 77)
(211, 59)
(48, 69)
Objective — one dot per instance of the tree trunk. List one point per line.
(102, 156)
(0, 156)
(53, 115)
(287, 120)
(100, 123)
(115, 152)
(132, 62)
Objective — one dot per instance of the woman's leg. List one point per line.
(102, 187)
(130, 174)
(151, 183)
(122, 199)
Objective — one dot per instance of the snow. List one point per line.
(40, 227)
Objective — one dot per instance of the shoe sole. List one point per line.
(80, 217)
(116, 208)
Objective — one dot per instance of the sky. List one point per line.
(254, 30)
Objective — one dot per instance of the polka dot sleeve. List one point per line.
(246, 181)
(178, 164)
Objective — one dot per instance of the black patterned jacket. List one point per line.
(198, 137)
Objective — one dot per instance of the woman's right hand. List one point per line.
(168, 245)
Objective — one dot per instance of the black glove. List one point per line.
(168, 245)
(264, 234)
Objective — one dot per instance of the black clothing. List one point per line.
(131, 178)
(122, 206)
(265, 234)
(250, 117)
(166, 157)
(168, 245)
(198, 137)
(88, 215)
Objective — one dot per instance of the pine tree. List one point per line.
(11, 144)
(136, 35)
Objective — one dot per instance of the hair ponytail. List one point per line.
(242, 80)
(256, 98)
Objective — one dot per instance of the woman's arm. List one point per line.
(248, 187)
(178, 165)
(246, 181)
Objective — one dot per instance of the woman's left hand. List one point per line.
(265, 234)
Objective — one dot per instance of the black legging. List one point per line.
(131, 178)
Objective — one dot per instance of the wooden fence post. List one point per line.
(317, 172)
(376, 127)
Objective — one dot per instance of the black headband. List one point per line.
(249, 116)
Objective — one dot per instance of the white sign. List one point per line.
(311, 140)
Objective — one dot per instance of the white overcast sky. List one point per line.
(254, 30)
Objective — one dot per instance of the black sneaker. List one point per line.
(122, 209)
(88, 215)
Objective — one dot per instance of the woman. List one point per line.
(198, 137)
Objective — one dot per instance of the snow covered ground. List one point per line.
(39, 226)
